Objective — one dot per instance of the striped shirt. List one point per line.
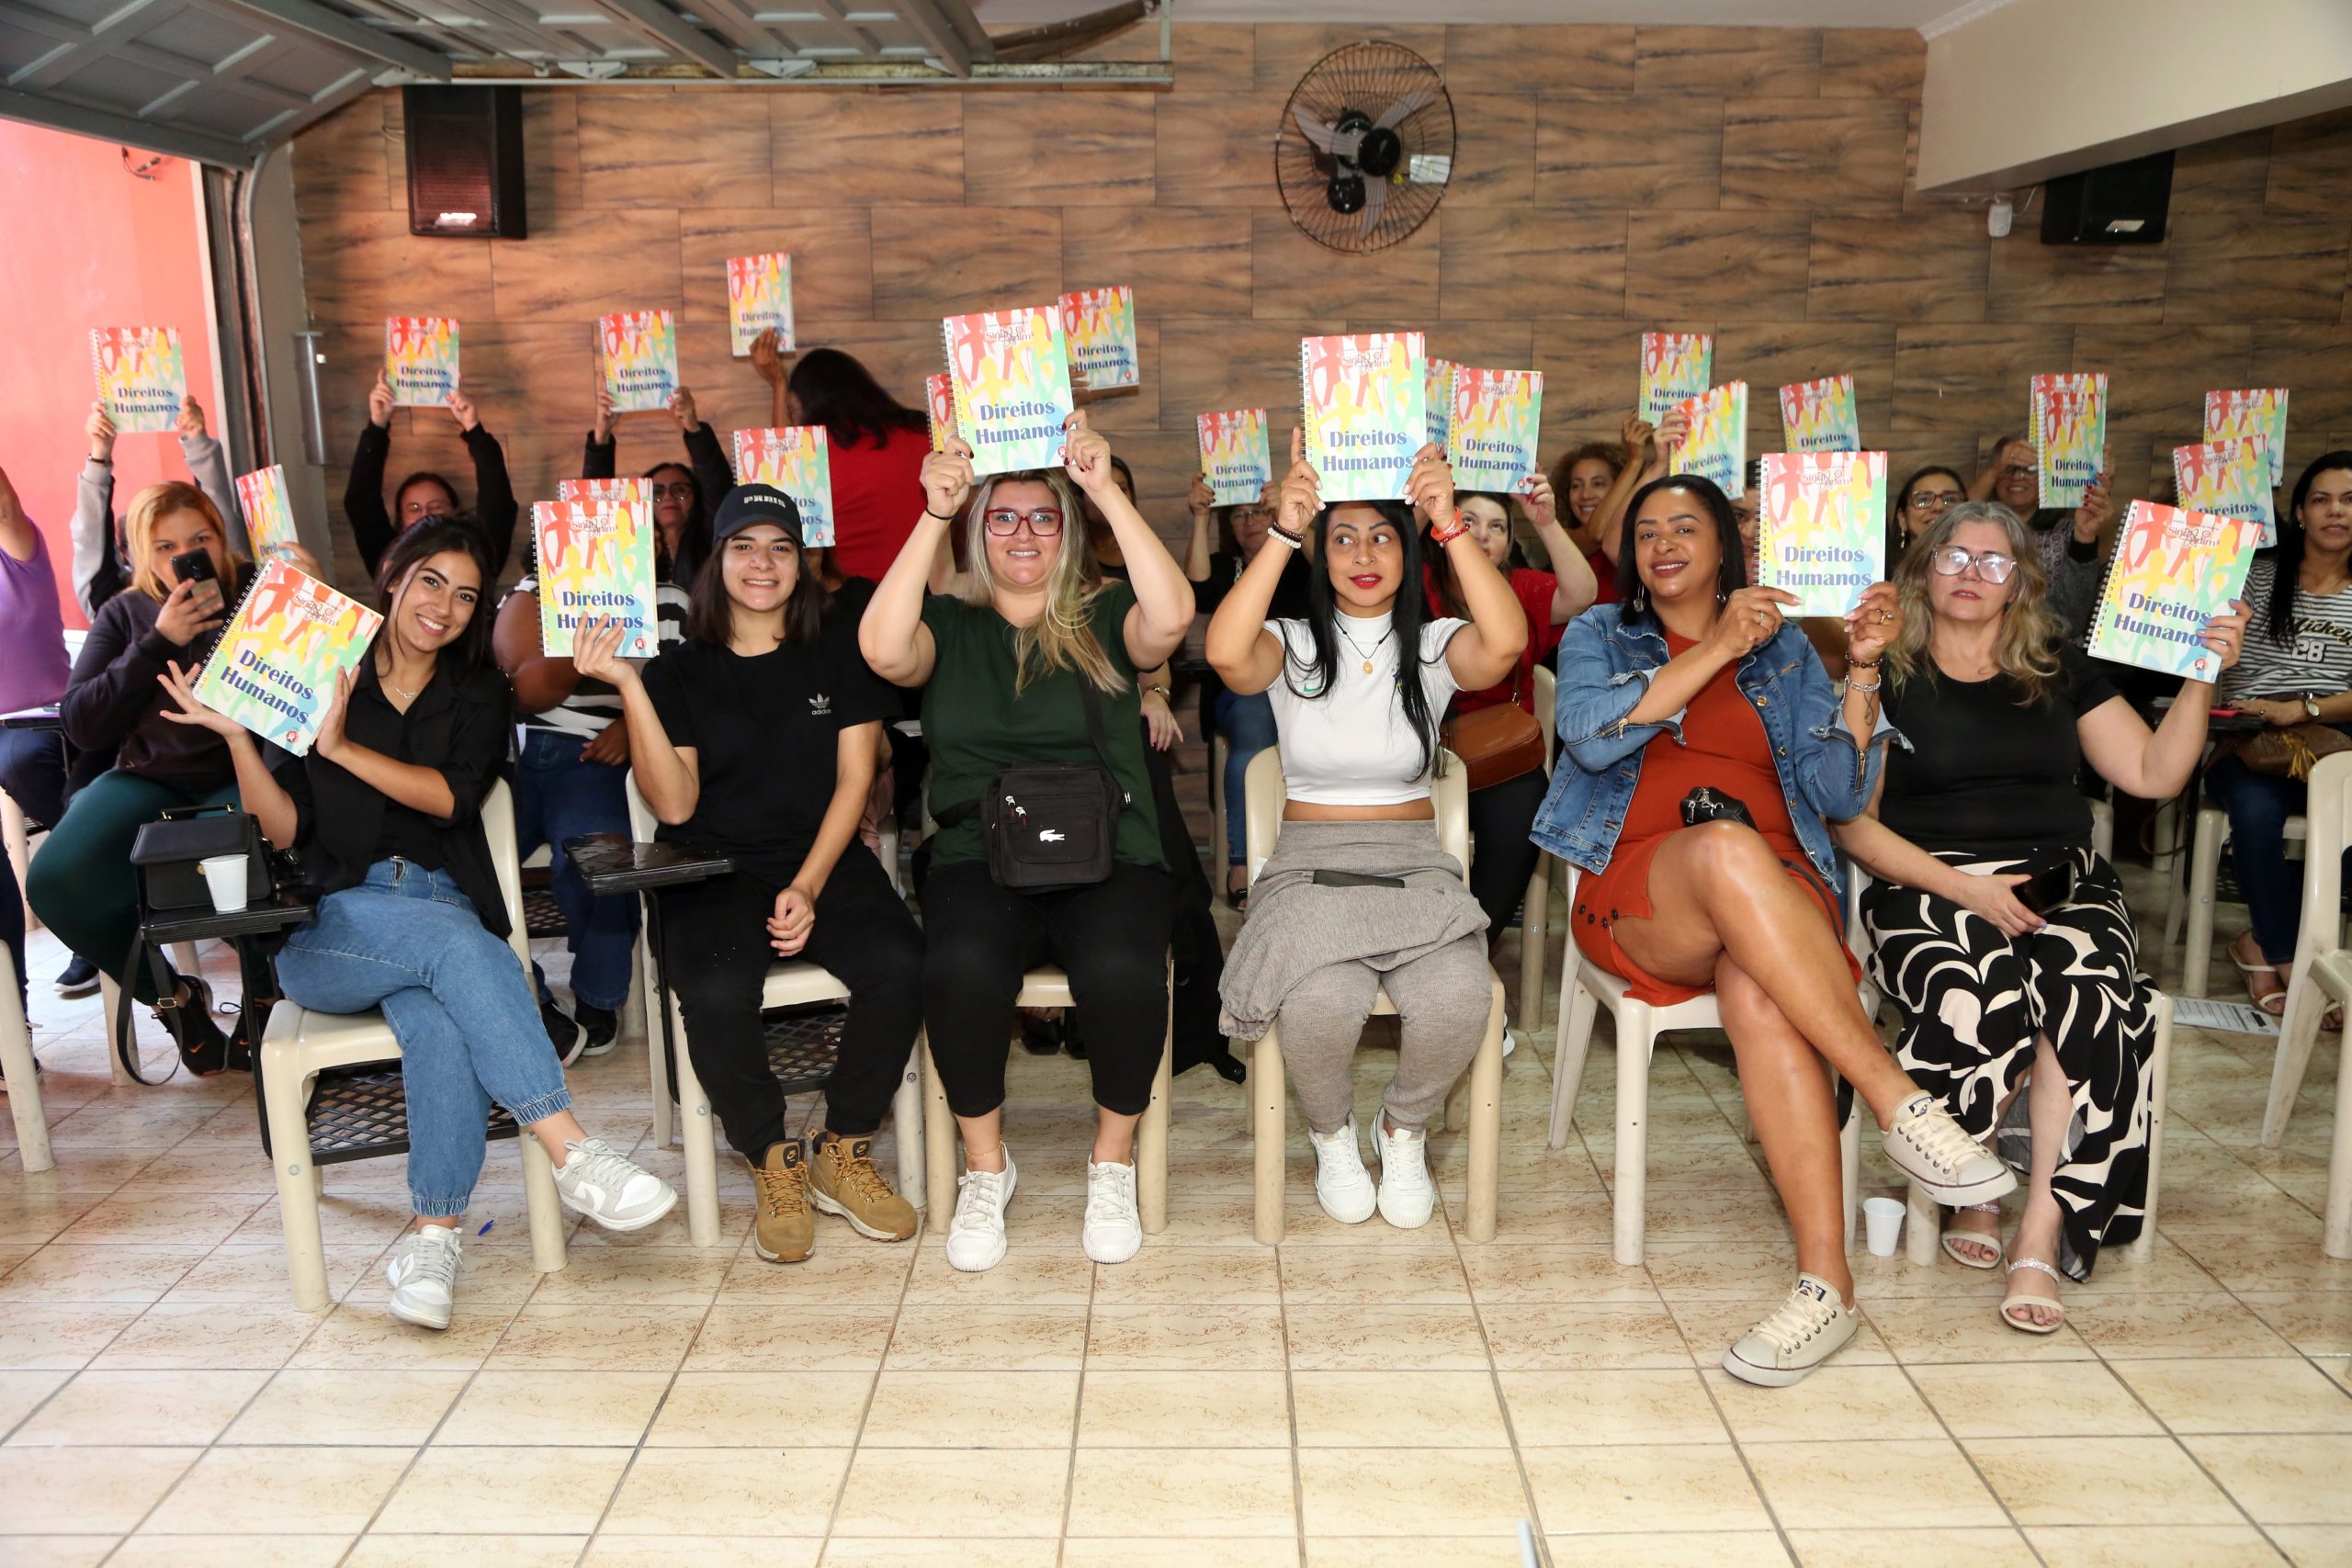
(2317, 660)
(594, 703)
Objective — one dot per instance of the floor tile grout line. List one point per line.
(1911, 1379)
(1078, 1412)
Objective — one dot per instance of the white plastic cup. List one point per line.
(229, 879)
(1882, 1222)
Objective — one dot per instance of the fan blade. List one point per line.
(1375, 202)
(1397, 113)
(1315, 130)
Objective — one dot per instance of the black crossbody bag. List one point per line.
(1051, 826)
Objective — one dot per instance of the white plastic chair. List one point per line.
(790, 983)
(1535, 915)
(2204, 872)
(20, 847)
(2323, 978)
(1268, 1106)
(299, 1045)
(1220, 749)
(24, 1077)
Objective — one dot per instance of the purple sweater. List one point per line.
(33, 666)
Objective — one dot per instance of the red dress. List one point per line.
(1727, 750)
(878, 496)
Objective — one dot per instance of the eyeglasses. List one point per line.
(1045, 521)
(1254, 514)
(1935, 499)
(682, 491)
(1991, 565)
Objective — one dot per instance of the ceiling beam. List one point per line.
(654, 20)
(59, 115)
(934, 23)
(310, 17)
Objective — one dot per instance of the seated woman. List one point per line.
(1581, 481)
(1358, 685)
(425, 493)
(1708, 747)
(2004, 940)
(2065, 538)
(757, 737)
(683, 495)
(386, 812)
(1013, 667)
(2297, 669)
(1918, 502)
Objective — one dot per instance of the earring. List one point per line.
(1641, 601)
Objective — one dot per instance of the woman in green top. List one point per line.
(1003, 663)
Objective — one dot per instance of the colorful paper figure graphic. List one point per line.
(796, 460)
(1236, 455)
(279, 657)
(1365, 413)
(758, 297)
(595, 562)
(421, 359)
(638, 351)
(1011, 370)
(140, 376)
(1491, 437)
(1821, 528)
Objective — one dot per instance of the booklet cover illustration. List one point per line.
(1676, 367)
(595, 562)
(939, 400)
(1011, 370)
(1821, 528)
(2251, 411)
(1819, 416)
(1491, 437)
(796, 460)
(759, 296)
(2069, 435)
(1101, 326)
(279, 657)
(421, 359)
(630, 492)
(636, 352)
(269, 511)
(1437, 397)
(2229, 479)
(140, 376)
(1716, 445)
(1365, 399)
(1236, 455)
(2173, 572)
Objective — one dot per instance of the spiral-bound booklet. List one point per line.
(1364, 398)
(1676, 367)
(939, 401)
(595, 562)
(2069, 435)
(1437, 400)
(1236, 455)
(1101, 326)
(275, 668)
(2251, 411)
(637, 352)
(1819, 416)
(1491, 436)
(758, 297)
(2231, 479)
(796, 460)
(1716, 446)
(421, 359)
(2172, 571)
(269, 511)
(140, 376)
(1821, 528)
(1011, 374)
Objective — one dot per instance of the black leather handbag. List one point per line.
(1051, 826)
(168, 851)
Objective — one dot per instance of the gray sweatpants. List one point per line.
(1441, 1000)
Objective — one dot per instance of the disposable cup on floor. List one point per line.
(1882, 1219)
(227, 877)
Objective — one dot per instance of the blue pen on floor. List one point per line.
(486, 1227)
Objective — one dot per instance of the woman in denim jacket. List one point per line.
(1694, 683)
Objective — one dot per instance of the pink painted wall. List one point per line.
(95, 246)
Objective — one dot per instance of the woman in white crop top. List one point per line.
(1357, 895)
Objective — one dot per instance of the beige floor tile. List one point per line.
(644, 1276)
(1187, 1492)
(21, 1393)
(1567, 1273)
(1329, 1276)
(597, 1339)
(993, 1409)
(2153, 1546)
(805, 1338)
(55, 1550)
(2295, 1479)
(759, 1410)
(2214, 1324)
(303, 1491)
(1930, 1331)
(37, 1338)
(914, 1492)
(1877, 1400)
(1392, 1492)
(1389, 1408)
(955, 1336)
(2317, 1322)
(688, 1491)
(964, 1553)
(642, 1552)
(1571, 1336)
(236, 1274)
(149, 1220)
(101, 1271)
(1183, 1409)
(1964, 1548)
(353, 1408)
(1857, 1484)
(233, 1551)
(98, 1409)
(355, 1338)
(83, 1489)
(1030, 1277)
(1422, 1338)
(574, 1409)
(1698, 1486)
(2256, 1261)
(1165, 1339)
(2034, 1399)
(1190, 1276)
(2265, 1394)
(1571, 1409)
(1757, 1274)
(1230, 1552)
(34, 1218)
(851, 1274)
(499, 1491)
(2313, 1546)
(380, 1550)
(194, 1336)
(2069, 1481)
(1713, 1549)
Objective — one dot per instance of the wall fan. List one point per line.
(1365, 147)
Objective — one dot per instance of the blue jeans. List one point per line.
(408, 942)
(1247, 726)
(2258, 806)
(559, 796)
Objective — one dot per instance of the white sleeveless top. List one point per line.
(1350, 746)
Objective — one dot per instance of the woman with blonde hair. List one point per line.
(1030, 697)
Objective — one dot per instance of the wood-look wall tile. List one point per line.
(1644, 152)
(1921, 266)
(524, 375)
(1501, 344)
(1483, 61)
(2308, 360)
(949, 261)
(1163, 462)
(2311, 165)
(340, 162)
(869, 145)
(1872, 62)
(1908, 451)
(581, 267)
(1218, 363)
(2285, 267)
(1059, 149)
(682, 147)
(373, 267)
(1728, 63)
(2156, 382)
(551, 181)
(2226, 176)
(1736, 266)
(1287, 51)
(1820, 154)
(1217, 149)
(1494, 156)
(831, 249)
(1973, 377)
(1532, 261)
(1294, 276)
(1770, 355)
(2033, 282)
(728, 392)
(1181, 261)
(1219, 52)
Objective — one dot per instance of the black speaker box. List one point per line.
(465, 161)
(2122, 204)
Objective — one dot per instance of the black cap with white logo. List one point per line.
(747, 504)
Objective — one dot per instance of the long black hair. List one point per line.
(838, 392)
(1730, 577)
(1313, 677)
(693, 535)
(2287, 558)
(710, 614)
(447, 532)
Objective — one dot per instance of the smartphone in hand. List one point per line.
(196, 567)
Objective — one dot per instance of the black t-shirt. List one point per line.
(765, 732)
(1984, 775)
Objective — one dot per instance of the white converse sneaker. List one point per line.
(609, 1190)
(1342, 1184)
(1407, 1195)
(975, 1235)
(1926, 1144)
(424, 1272)
(1809, 1327)
(1114, 1231)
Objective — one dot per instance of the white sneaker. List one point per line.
(1406, 1194)
(1926, 1144)
(609, 1190)
(1114, 1231)
(1511, 1039)
(424, 1272)
(1809, 1327)
(1342, 1184)
(975, 1235)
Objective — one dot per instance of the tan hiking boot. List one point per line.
(786, 1229)
(842, 1180)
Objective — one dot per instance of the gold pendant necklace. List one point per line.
(1360, 649)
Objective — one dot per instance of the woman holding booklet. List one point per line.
(683, 495)
(386, 812)
(2004, 940)
(425, 493)
(2070, 555)
(1708, 748)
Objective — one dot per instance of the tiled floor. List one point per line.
(1357, 1397)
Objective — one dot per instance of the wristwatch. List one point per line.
(2311, 707)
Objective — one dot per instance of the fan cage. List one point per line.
(1367, 77)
